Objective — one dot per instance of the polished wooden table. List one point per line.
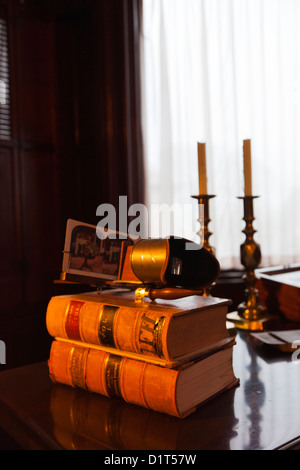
(263, 412)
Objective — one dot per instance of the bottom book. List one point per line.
(177, 392)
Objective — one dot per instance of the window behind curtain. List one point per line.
(219, 72)
(5, 124)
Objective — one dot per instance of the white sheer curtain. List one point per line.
(219, 72)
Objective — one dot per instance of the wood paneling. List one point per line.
(11, 292)
(36, 80)
(40, 211)
(75, 143)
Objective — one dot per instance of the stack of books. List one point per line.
(279, 290)
(169, 356)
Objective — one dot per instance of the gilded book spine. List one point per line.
(135, 330)
(134, 381)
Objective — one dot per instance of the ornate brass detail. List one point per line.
(251, 315)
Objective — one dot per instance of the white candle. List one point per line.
(247, 167)
(202, 168)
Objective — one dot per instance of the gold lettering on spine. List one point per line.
(106, 326)
(150, 335)
(112, 374)
(158, 331)
(72, 320)
(77, 366)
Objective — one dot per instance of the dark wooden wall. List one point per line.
(75, 143)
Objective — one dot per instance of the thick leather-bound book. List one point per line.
(167, 332)
(177, 392)
(279, 290)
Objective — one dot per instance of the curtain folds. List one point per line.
(219, 72)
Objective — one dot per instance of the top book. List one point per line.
(164, 332)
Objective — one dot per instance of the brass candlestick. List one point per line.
(251, 315)
(204, 233)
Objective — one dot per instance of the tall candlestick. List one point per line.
(250, 314)
(247, 167)
(202, 168)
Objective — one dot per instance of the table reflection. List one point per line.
(260, 413)
(88, 421)
(262, 402)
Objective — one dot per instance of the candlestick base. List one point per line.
(250, 314)
(259, 324)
